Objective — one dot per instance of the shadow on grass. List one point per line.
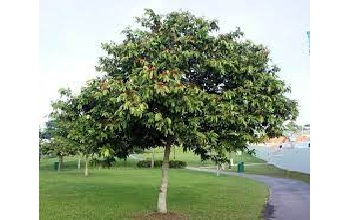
(160, 216)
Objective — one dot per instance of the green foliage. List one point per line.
(176, 81)
(53, 140)
(106, 162)
(176, 164)
(147, 163)
(292, 127)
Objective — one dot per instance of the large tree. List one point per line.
(177, 81)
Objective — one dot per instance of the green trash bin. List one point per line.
(240, 167)
(55, 165)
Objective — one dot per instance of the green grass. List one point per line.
(271, 170)
(194, 160)
(261, 168)
(123, 192)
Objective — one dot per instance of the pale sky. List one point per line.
(71, 32)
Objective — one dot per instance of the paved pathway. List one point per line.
(289, 199)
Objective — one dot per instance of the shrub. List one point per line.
(157, 163)
(176, 164)
(93, 162)
(108, 162)
(144, 164)
(104, 162)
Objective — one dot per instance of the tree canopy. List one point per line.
(184, 82)
(177, 80)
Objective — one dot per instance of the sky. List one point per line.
(71, 33)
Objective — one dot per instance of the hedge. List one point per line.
(176, 164)
(105, 162)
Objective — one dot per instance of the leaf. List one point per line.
(158, 117)
(168, 121)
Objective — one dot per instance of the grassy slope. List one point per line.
(271, 170)
(125, 192)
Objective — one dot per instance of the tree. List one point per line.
(58, 128)
(292, 127)
(83, 128)
(57, 144)
(175, 82)
(88, 117)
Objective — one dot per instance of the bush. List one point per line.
(144, 164)
(93, 162)
(108, 162)
(104, 162)
(157, 163)
(176, 164)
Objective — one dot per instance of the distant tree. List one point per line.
(292, 127)
(58, 144)
(89, 124)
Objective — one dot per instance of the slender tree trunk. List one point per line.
(174, 151)
(152, 165)
(87, 165)
(60, 161)
(79, 162)
(230, 155)
(217, 168)
(162, 203)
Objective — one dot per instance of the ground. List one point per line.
(125, 192)
(253, 165)
(160, 216)
(128, 193)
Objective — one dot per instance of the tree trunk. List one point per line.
(217, 168)
(152, 165)
(60, 161)
(174, 151)
(86, 166)
(79, 162)
(230, 155)
(162, 204)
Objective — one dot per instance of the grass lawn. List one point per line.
(123, 193)
(271, 170)
(194, 160)
(261, 168)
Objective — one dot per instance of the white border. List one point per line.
(329, 41)
(19, 191)
(329, 119)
